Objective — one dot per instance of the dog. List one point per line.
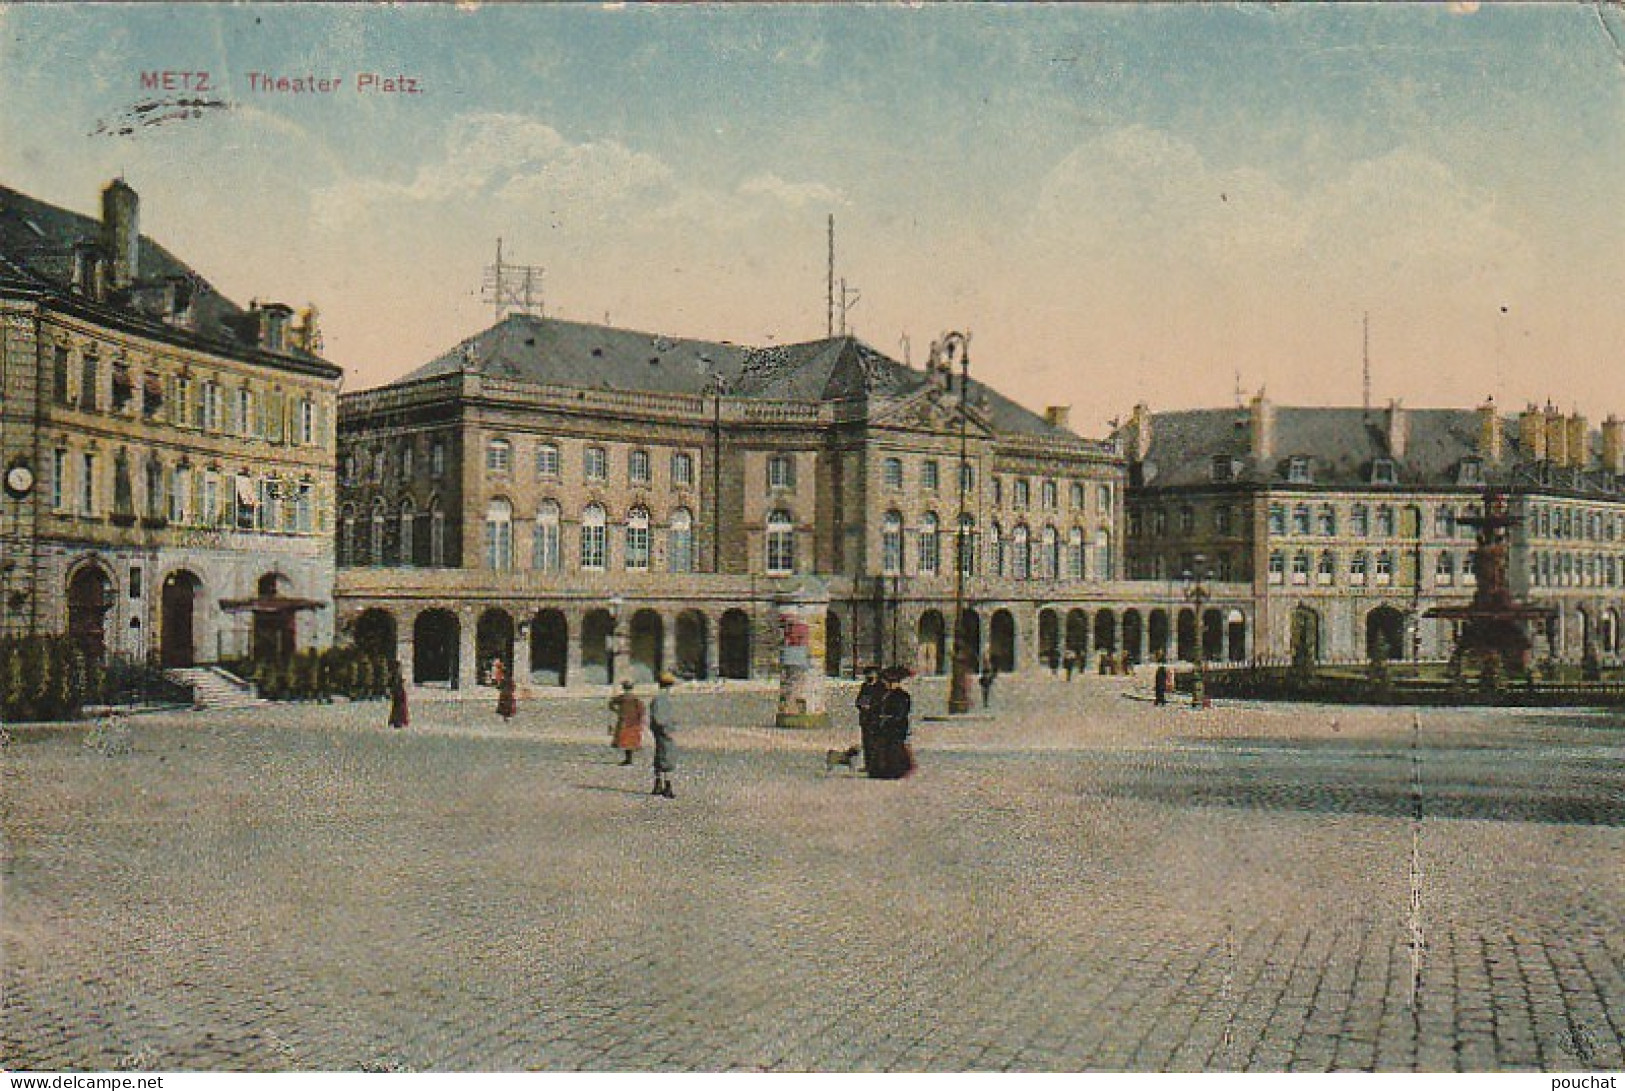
(847, 757)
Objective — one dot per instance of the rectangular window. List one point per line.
(928, 476)
(595, 464)
(59, 480)
(1103, 499)
(245, 502)
(893, 473)
(592, 547)
(637, 548)
(61, 376)
(682, 471)
(245, 412)
(498, 456)
(781, 472)
(437, 459)
(637, 467)
(181, 405)
(87, 383)
(180, 495)
(545, 550)
(547, 461)
(135, 581)
(87, 484)
(681, 549)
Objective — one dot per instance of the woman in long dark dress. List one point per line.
(507, 702)
(893, 758)
(398, 715)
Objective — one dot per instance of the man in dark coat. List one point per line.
(1161, 686)
(869, 696)
(893, 758)
(398, 714)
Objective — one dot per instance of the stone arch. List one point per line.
(1185, 635)
(1212, 635)
(646, 647)
(1001, 644)
(1235, 634)
(931, 654)
(1133, 634)
(1077, 632)
(1306, 639)
(970, 638)
(180, 597)
(374, 632)
(597, 633)
(1105, 632)
(493, 642)
(692, 645)
(435, 635)
(1157, 629)
(1386, 624)
(90, 600)
(1049, 638)
(733, 645)
(550, 648)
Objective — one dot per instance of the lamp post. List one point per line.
(614, 647)
(960, 680)
(1197, 594)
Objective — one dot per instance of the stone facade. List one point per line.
(586, 532)
(1346, 524)
(180, 449)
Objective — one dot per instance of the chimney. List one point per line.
(1135, 434)
(1532, 434)
(1579, 449)
(308, 333)
(1489, 432)
(1398, 430)
(1557, 437)
(1057, 415)
(1613, 446)
(121, 232)
(1261, 418)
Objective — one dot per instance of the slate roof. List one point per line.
(557, 351)
(37, 245)
(1342, 444)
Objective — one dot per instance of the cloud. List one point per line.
(522, 163)
(792, 194)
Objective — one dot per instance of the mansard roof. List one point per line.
(1341, 444)
(38, 243)
(556, 351)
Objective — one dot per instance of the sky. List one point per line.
(1119, 204)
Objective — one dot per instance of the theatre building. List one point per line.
(167, 454)
(588, 503)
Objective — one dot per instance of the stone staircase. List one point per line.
(215, 688)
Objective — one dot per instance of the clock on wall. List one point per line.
(19, 481)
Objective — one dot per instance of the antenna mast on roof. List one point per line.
(829, 296)
(513, 289)
(1365, 366)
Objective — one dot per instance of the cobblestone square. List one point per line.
(1082, 881)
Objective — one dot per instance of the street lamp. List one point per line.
(960, 682)
(614, 647)
(1197, 594)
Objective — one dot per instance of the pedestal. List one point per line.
(801, 618)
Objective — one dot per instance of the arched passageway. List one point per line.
(90, 598)
(597, 633)
(435, 635)
(647, 646)
(549, 648)
(1106, 632)
(1157, 628)
(692, 645)
(493, 643)
(1001, 649)
(970, 638)
(1385, 625)
(1049, 639)
(931, 656)
(1235, 635)
(734, 645)
(374, 632)
(1185, 636)
(1077, 633)
(1132, 635)
(178, 608)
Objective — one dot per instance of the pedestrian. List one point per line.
(507, 702)
(869, 695)
(398, 714)
(986, 681)
(663, 724)
(496, 672)
(1071, 662)
(1160, 685)
(626, 733)
(894, 760)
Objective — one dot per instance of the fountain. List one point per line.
(1493, 624)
